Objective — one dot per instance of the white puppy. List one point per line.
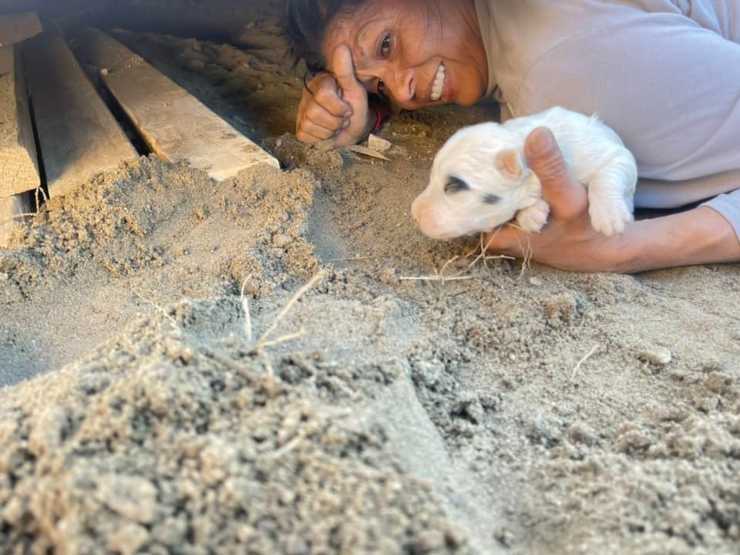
(480, 179)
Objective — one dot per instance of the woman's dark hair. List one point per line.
(307, 24)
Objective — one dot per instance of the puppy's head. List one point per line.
(475, 184)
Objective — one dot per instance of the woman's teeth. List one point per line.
(439, 83)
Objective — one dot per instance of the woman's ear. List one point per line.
(510, 162)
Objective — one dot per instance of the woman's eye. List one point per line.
(385, 47)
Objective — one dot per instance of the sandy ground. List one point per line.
(520, 410)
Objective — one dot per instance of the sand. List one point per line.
(521, 410)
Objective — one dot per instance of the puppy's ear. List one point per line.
(511, 164)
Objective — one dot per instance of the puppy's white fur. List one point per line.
(489, 160)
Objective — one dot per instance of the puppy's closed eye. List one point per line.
(491, 199)
(456, 185)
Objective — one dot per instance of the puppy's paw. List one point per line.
(533, 218)
(609, 215)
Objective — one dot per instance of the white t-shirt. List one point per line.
(664, 74)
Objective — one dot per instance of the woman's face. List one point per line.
(417, 53)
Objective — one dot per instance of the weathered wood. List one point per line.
(16, 27)
(78, 135)
(19, 169)
(6, 59)
(10, 210)
(175, 124)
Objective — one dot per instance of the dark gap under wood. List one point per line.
(175, 124)
(117, 111)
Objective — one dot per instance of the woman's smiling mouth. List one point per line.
(438, 86)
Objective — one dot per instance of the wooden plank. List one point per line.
(16, 27)
(19, 168)
(175, 124)
(6, 59)
(10, 209)
(79, 136)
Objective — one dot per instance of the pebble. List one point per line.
(378, 144)
(579, 432)
(632, 440)
(389, 276)
(505, 537)
(717, 382)
(561, 308)
(131, 497)
(281, 240)
(128, 539)
(657, 356)
(536, 282)
(470, 408)
(429, 373)
(171, 531)
(13, 511)
(429, 541)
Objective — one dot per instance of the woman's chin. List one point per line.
(466, 101)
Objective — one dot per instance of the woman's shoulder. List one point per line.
(541, 45)
(520, 36)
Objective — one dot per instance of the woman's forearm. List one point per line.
(698, 236)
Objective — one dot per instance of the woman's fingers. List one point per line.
(567, 198)
(505, 240)
(322, 114)
(313, 129)
(335, 106)
(327, 95)
(319, 116)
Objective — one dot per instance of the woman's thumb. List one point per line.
(565, 196)
(343, 68)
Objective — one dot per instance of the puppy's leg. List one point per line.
(533, 218)
(611, 193)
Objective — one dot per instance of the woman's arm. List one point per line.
(568, 242)
(698, 236)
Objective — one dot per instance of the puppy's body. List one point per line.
(480, 180)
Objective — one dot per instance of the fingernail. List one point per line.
(346, 124)
(540, 142)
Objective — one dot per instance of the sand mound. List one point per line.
(150, 444)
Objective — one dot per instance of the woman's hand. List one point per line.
(568, 241)
(335, 106)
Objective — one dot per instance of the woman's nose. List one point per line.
(405, 86)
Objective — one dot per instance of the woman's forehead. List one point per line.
(359, 33)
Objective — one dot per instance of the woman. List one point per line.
(665, 74)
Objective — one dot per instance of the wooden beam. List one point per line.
(19, 168)
(78, 135)
(16, 27)
(6, 59)
(175, 124)
(10, 210)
